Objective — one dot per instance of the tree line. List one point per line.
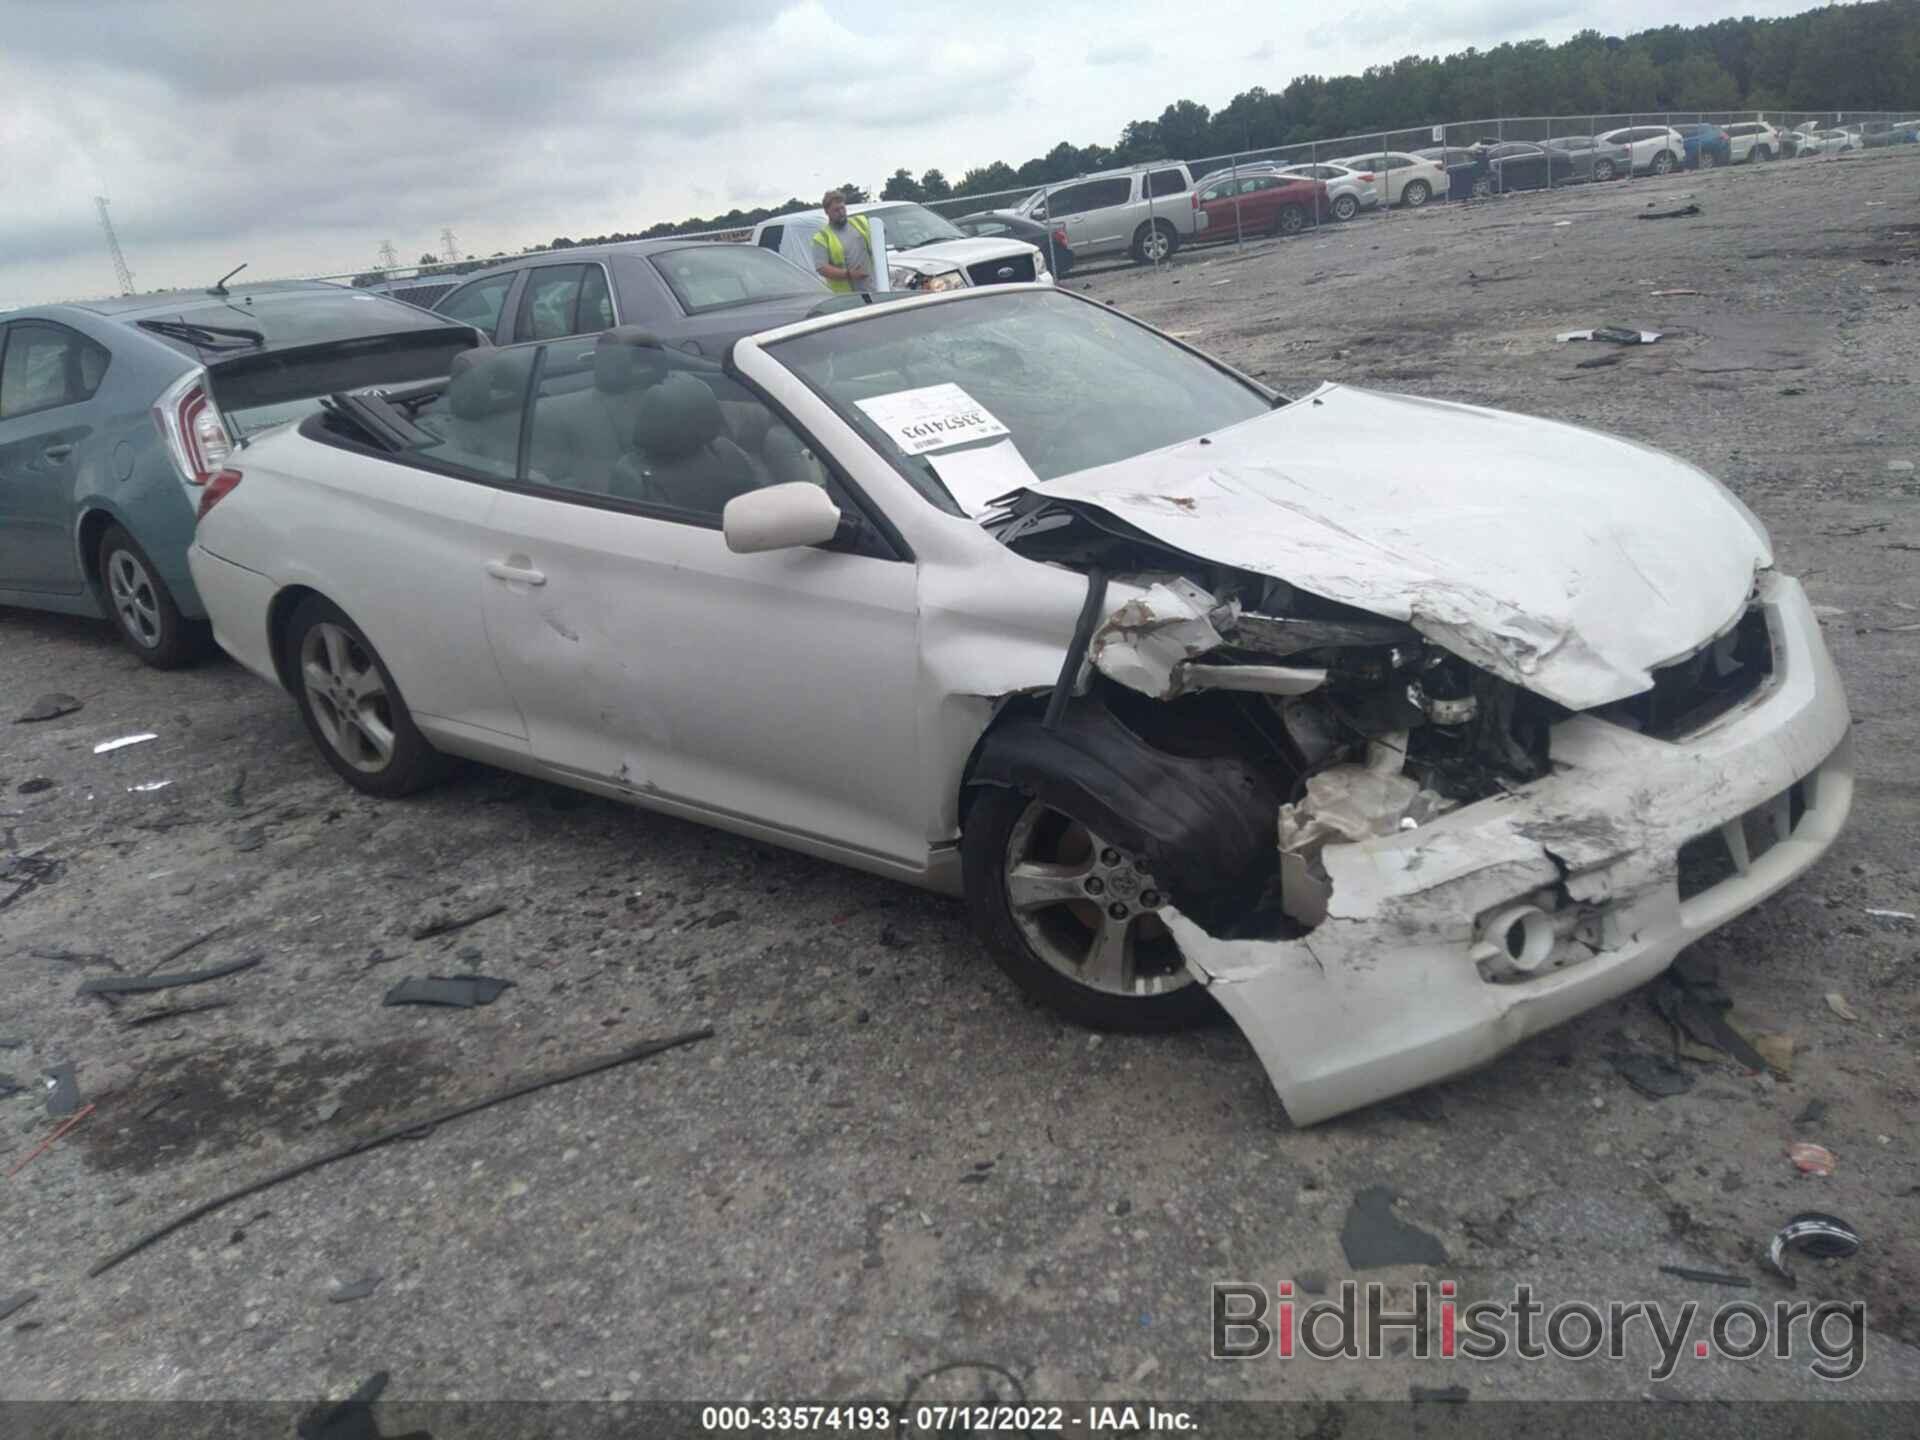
(1862, 56)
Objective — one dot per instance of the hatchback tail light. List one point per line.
(195, 435)
(219, 485)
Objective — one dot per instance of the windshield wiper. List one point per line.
(209, 336)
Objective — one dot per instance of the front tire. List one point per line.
(1291, 220)
(1762, 152)
(1482, 187)
(143, 609)
(1155, 242)
(353, 709)
(1663, 163)
(1708, 160)
(1345, 207)
(1417, 193)
(1070, 918)
(1602, 171)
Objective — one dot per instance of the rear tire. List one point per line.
(1708, 160)
(1762, 152)
(1058, 950)
(1417, 193)
(143, 609)
(1291, 220)
(352, 708)
(1482, 187)
(1602, 171)
(1345, 207)
(1155, 242)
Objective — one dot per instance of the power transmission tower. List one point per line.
(448, 250)
(120, 271)
(389, 257)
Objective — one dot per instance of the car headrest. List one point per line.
(483, 387)
(625, 358)
(677, 417)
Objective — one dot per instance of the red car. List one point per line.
(1257, 204)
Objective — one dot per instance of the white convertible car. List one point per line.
(1399, 752)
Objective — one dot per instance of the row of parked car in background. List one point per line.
(116, 415)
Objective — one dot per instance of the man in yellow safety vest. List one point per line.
(843, 248)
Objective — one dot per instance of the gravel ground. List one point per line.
(885, 1161)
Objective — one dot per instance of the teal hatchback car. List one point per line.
(114, 415)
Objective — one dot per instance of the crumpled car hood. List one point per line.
(948, 253)
(1567, 561)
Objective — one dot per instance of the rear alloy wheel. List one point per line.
(1417, 193)
(1345, 207)
(1663, 163)
(142, 608)
(1291, 220)
(352, 707)
(1603, 170)
(1708, 160)
(1155, 243)
(1482, 187)
(1072, 918)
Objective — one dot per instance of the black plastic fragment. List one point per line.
(1373, 1236)
(17, 1301)
(352, 1418)
(1077, 647)
(47, 707)
(174, 1012)
(1681, 213)
(63, 1090)
(1706, 1277)
(137, 984)
(1651, 1076)
(462, 992)
(448, 924)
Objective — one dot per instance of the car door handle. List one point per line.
(501, 570)
(57, 453)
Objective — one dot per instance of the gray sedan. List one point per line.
(697, 295)
(1592, 158)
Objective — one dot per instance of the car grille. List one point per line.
(1730, 850)
(1014, 270)
(1691, 694)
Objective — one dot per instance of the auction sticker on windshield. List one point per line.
(934, 417)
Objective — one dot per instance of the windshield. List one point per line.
(1074, 384)
(717, 277)
(908, 226)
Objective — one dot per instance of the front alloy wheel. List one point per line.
(1345, 207)
(1073, 918)
(1663, 163)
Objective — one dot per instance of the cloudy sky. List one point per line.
(298, 135)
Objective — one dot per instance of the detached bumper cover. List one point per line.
(1400, 986)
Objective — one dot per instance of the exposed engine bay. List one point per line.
(1354, 726)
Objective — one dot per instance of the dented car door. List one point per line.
(653, 663)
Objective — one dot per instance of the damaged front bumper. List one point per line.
(1447, 944)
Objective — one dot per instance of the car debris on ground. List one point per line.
(1815, 1234)
(11, 1305)
(461, 992)
(1679, 214)
(1612, 334)
(48, 707)
(139, 984)
(1706, 1277)
(446, 925)
(63, 1090)
(1811, 1159)
(106, 746)
(1373, 1236)
(355, 1290)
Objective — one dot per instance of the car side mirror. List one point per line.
(780, 517)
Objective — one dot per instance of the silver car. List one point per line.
(1146, 211)
(1349, 191)
(1593, 158)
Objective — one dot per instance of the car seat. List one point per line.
(683, 456)
(484, 397)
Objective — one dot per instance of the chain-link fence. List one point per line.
(1255, 193)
